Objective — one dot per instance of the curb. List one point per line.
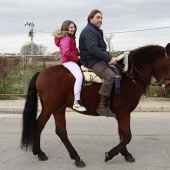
(146, 104)
(138, 109)
(152, 109)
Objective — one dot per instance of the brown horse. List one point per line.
(55, 88)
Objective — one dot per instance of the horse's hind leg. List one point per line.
(62, 133)
(41, 121)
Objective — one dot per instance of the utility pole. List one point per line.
(31, 34)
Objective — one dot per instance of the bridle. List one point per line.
(141, 77)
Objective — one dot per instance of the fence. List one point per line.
(16, 72)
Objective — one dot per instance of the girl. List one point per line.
(65, 40)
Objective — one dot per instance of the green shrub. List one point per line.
(155, 91)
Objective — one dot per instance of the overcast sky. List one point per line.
(118, 16)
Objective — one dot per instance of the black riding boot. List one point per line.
(103, 108)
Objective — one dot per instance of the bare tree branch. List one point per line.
(37, 49)
(108, 40)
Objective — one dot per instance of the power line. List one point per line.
(42, 31)
(148, 29)
(120, 32)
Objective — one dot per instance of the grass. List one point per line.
(155, 91)
(14, 81)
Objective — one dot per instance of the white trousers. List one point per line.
(75, 70)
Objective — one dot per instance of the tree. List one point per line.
(108, 40)
(42, 49)
(37, 49)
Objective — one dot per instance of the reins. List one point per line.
(132, 76)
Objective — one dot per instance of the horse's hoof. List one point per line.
(80, 164)
(107, 158)
(130, 159)
(42, 157)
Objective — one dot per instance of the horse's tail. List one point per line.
(29, 114)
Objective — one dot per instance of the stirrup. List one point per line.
(106, 112)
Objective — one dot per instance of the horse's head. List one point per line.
(150, 61)
(161, 69)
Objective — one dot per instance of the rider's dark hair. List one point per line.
(92, 14)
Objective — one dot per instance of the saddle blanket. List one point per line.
(90, 76)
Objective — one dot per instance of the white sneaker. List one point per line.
(78, 106)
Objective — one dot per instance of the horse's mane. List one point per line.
(154, 49)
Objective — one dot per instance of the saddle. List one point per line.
(91, 77)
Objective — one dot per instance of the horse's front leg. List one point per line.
(125, 137)
(128, 156)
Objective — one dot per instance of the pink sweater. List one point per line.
(68, 49)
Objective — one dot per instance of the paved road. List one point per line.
(92, 137)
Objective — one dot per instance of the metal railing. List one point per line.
(16, 72)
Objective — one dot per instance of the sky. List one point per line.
(122, 18)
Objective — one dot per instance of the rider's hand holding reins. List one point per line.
(112, 62)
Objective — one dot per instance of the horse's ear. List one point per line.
(168, 49)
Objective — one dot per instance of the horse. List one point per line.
(55, 88)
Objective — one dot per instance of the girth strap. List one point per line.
(117, 80)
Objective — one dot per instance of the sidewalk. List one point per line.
(153, 104)
(145, 105)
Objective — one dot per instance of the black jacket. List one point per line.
(92, 46)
